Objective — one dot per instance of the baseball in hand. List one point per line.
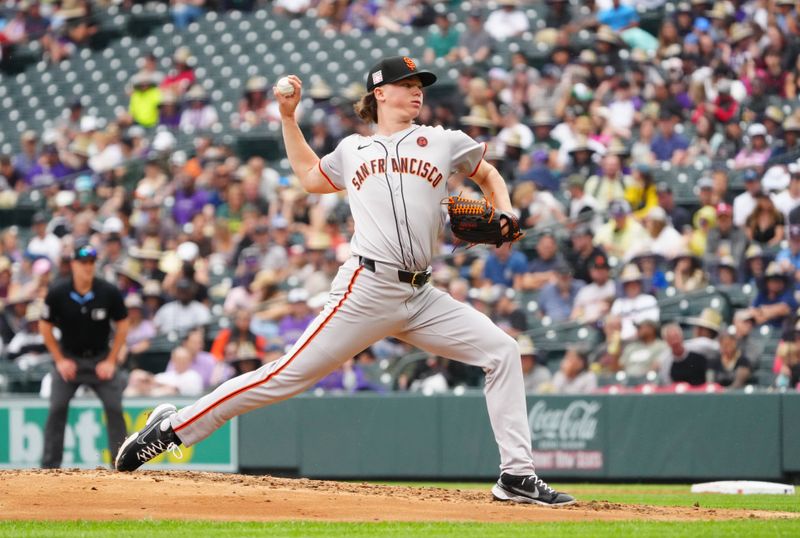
(285, 87)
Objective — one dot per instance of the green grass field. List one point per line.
(661, 495)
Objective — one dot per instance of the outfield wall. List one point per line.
(400, 435)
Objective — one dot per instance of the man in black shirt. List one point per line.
(83, 307)
(683, 365)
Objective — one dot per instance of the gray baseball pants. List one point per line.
(365, 306)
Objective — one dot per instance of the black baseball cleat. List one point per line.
(156, 437)
(528, 489)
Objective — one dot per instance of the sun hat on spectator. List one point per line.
(775, 271)
(182, 55)
(774, 113)
(709, 318)
(543, 118)
(740, 32)
(727, 261)
(719, 11)
(776, 178)
(792, 123)
(581, 144)
(478, 116)
(526, 347)
(196, 93)
(133, 301)
(129, 268)
(630, 273)
(145, 253)
(33, 312)
(607, 35)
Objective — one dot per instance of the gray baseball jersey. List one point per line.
(395, 186)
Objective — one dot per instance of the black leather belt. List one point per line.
(415, 278)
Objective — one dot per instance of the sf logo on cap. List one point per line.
(410, 63)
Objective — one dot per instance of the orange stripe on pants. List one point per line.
(279, 370)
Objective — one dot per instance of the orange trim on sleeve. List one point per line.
(321, 171)
(287, 363)
(485, 146)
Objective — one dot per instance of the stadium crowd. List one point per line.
(228, 259)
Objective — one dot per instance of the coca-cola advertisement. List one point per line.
(567, 434)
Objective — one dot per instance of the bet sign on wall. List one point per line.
(85, 440)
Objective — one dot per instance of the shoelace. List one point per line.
(175, 450)
(541, 484)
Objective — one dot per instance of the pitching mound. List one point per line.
(103, 495)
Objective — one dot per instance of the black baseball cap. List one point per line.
(85, 252)
(395, 68)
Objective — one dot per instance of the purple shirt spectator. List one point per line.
(204, 364)
(187, 204)
(290, 328)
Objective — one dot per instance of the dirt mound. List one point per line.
(102, 495)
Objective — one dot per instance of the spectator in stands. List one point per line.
(705, 334)
(745, 203)
(507, 21)
(764, 226)
(618, 16)
(725, 239)
(508, 314)
(622, 235)
(594, 300)
(789, 257)
(557, 298)
(475, 44)
(212, 371)
(679, 365)
(582, 253)
(180, 380)
(292, 325)
(732, 369)
(255, 107)
(786, 365)
(27, 347)
(538, 208)
(643, 355)
(574, 376)
(633, 306)
(145, 98)
(442, 40)
(663, 240)
(535, 375)
(10, 177)
(361, 15)
(26, 159)
(185, 12)
(199, 114)
(704, 221)
(49, 171)
(542, 269)
(756, 153)
(678, 216)
(788, 199)
(505, 265)
(184, 313)
(668, 145)
(688, 271)
(610, 185)
(247, 343)
(169, 110)
(292, 8)
(755, 264)
(43, 243)
(775, 299)
(141, 330)
(641, 191)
